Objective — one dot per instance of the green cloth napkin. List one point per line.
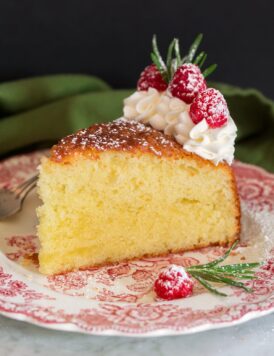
(43, 109)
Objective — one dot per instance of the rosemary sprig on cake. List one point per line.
(176, 281)
(181, 76)
(174, 58)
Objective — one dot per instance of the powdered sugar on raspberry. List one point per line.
(211, 106)
(173, 283)
(151, 78)
(187, 82)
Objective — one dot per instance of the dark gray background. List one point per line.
(112, 38)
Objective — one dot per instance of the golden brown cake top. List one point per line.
(119, 135)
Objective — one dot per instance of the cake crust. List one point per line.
(121, 135)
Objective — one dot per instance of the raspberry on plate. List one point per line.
(187, 82)
(211, 106)
(173, 283)
(151, 78)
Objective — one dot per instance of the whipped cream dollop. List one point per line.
(157, 109)
(171, 115)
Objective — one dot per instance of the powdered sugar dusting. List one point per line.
(211, 106)
(257, 234)
(209, 131)
(178, 270)
(174, 282)
(120, 135)
(151, 78)
(187, 82)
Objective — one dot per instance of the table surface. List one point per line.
(255, 337)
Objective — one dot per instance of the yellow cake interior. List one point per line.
(125, 205)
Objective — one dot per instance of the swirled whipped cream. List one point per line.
(157, 109)
(216, 144)
(171, 115)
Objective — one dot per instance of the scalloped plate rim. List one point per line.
(70, 327)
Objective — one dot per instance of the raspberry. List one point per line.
(151, 78)
(173, 283)
(187, 82)
(210, 105)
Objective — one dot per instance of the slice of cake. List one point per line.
(153, 182)
(123, 190)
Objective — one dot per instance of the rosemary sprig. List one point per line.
(209, 287)
(174, 58)
(226, 274)
(193, 49)
(177, 61)
(169, 58)
(209, 70)
(199, 58)
(177, 51)
(158, 60)
(202, 61)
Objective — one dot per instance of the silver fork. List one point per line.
(11, 200)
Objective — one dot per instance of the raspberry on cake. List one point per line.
(211, 106)
(124, 190)
(187, 82)
(151, 78)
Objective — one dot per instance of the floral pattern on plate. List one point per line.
(118, 299)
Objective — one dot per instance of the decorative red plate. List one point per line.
(118, 300)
